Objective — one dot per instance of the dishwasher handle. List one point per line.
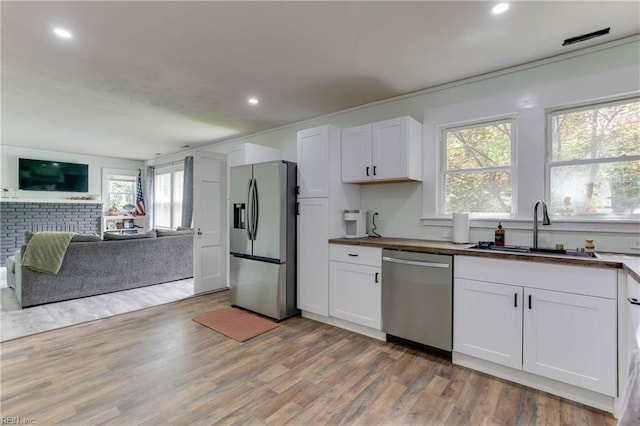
(415, 262)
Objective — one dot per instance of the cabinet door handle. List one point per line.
(374, 170)
(298, 190)
(529, 301)
(353, 255)
(515, 300)
(376, 277)
(367, 170)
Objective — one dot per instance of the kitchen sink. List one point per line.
(532, 250)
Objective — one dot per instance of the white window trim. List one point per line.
(593, 219)
(442, 159)
(106, 172)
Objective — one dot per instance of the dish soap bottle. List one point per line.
(499, 234)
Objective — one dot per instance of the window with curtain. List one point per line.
(477, 168)
(167, 200)
(593, 160)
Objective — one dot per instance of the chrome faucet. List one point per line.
(545, 220)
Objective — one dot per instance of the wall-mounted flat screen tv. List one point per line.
(42, 175)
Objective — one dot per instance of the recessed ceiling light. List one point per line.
(62, 33)
(500, 8)
(253, 101)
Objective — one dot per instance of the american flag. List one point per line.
(140, 210)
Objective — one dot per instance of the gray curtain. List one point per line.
(187, 194)
(149, 178)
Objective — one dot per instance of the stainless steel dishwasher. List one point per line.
(417, 297)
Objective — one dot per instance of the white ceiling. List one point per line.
(142, 78)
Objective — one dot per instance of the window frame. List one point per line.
(107, 175)
(549, 163)
(171, 170)
(443, 171)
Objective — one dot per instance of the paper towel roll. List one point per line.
(461, 227)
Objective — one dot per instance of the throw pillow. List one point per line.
(110, 236)
(170, 232)
(27, 237)
(85, 238)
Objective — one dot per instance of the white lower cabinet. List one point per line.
(488, 321)
(313, 255)
(571, 338)
(354, 285)
(560, 335)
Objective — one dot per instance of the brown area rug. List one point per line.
(236, 324)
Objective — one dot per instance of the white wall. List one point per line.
(9, 170)
(600, 73)
(597, 74)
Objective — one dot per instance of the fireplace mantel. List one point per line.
(48, 200)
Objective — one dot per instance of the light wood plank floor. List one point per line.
(157, 366)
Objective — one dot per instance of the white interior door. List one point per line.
(210, 222)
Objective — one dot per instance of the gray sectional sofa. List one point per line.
(96, 267)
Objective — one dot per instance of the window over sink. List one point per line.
(593, 160)
(477, 168)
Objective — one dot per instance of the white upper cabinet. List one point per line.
(251, 153)
(356, 153)
(313, 162)
(389, 150)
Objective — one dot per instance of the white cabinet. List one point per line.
(313, 256)
(356, 153)
(322, 200)
(313, 161)
(571, 338)
(543, 326)
(389, 150)
(251, 153)
(354, 285)
(488, 321)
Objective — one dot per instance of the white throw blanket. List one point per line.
(630, 415)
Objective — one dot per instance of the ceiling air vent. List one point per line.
(585, 37)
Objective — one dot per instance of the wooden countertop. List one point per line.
(631, 264)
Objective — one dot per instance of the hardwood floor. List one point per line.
(157, 366)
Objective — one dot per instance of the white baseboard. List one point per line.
(564, 390)
(356, 328)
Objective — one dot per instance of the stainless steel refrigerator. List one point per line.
(262, 238)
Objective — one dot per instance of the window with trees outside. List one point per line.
(121, 190)
(167, 199)
(477, 170)
(593, 162)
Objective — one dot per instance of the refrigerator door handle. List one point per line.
(249, 210)
(256, 209)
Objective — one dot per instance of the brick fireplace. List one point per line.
(18, 216)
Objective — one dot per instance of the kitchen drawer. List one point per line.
(371, 256)
(589, 281)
